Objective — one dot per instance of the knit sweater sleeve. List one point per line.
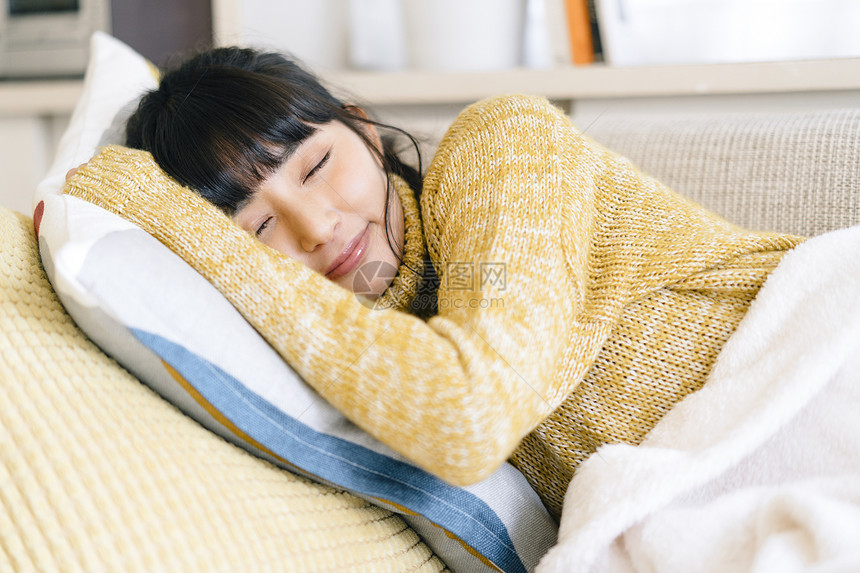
(457, 393)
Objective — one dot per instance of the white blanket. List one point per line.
(759, 470)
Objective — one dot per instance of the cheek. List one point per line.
(362, 188)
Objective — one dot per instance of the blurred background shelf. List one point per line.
(601, 81)
(411, 88)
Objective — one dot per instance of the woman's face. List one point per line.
(325, 207)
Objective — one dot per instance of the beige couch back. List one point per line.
(796, 172)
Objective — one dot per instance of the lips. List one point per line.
(351, 255)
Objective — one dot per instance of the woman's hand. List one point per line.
(71, 172)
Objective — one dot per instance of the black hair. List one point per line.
(223, 120)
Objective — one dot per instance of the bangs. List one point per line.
(230, 129)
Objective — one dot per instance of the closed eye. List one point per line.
(263, 226)
(318, 166)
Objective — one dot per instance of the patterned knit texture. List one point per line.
(403, 289)
(97, 473)
(568, 282)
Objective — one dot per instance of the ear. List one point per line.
(369, 129)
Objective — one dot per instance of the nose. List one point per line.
(314, 223)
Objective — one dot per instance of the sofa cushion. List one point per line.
(98, 473)
(789, 171)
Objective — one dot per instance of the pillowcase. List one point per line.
(115, 79)
(161, 320)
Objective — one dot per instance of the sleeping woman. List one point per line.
(529, 298)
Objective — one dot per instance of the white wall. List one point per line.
(25, 150)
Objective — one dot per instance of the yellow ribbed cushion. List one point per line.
(100, 474)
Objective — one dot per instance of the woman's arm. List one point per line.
(455, 394)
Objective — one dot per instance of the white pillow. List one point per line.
(115, 79)
(161, 320)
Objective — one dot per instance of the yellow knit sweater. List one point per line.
(579, 299)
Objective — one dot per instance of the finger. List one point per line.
(71, 172)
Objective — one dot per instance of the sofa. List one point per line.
(100, 473)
